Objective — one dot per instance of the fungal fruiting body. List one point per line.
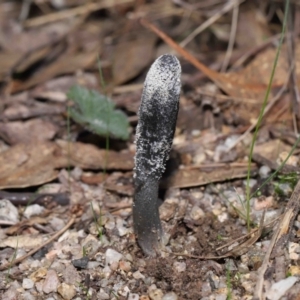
(154, 135)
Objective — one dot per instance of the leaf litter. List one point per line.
(85, 248)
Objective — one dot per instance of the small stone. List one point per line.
(102, 295)
(11, 294)
(222, 217)
(57, 223)
(294, 250)
(125, 265)
(138, 275)
(27, 283)
(156, 294)
(38, 274)
(264, 171)
(28, 296)
(8, 211)
(170, 296)
(221, 297)
(51, 282)
(168, 208)
(294, 270)
(114, 266)
(80, 263)
(196, 132)
(122, 230)
(71, 275)
(263, 202)
(67, 291)
(292, 160)
(179, 266)
(144, 297)
(132, 296)
(196, 213)
(252, 183)
(33, 210)
(111, 256)
(199, 158)
(278, 289)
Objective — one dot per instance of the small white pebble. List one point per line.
(179, 266)
(33, 210)
(292, 160)
(156, 294)
(223, 217)
(8, 211)
(132, 296)
(252, 183)
(27, 283)
(51, 282)
(263, 203)
(195, 132)
(112, 256)
(279, 288)
(138, 275)
(196, 213)
(170, 296)
(264, 171)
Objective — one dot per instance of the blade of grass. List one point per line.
(103, 85)
(262, 112)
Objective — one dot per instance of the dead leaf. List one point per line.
(27, 165)
(36, 163)
(184, 178)
(26, 242)
(31, 131)
(88, 156)
(67, 63)
(132, 55)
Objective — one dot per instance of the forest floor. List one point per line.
(66, 193)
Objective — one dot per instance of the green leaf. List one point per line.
(97, 113)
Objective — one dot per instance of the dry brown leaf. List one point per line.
(26, 242)
(88, 156)
(7, 63)
(271, 149)
(31, 131)
(250, 16)
(67, 63)
(27, 165)
(132, 55)
(184, 178)
(36, 163)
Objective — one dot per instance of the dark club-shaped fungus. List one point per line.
(154, 136)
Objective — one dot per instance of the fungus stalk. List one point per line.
(154, 136)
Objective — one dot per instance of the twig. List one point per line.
(80, 10)
(279, 238)
(213, 75)
(234, 22)
(55, 236)
(227, 7)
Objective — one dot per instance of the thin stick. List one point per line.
(69, 13)
(234, 22)
(54, 237)
(227, 7)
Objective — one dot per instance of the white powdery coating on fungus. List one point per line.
(163, 77)
(158, 113)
